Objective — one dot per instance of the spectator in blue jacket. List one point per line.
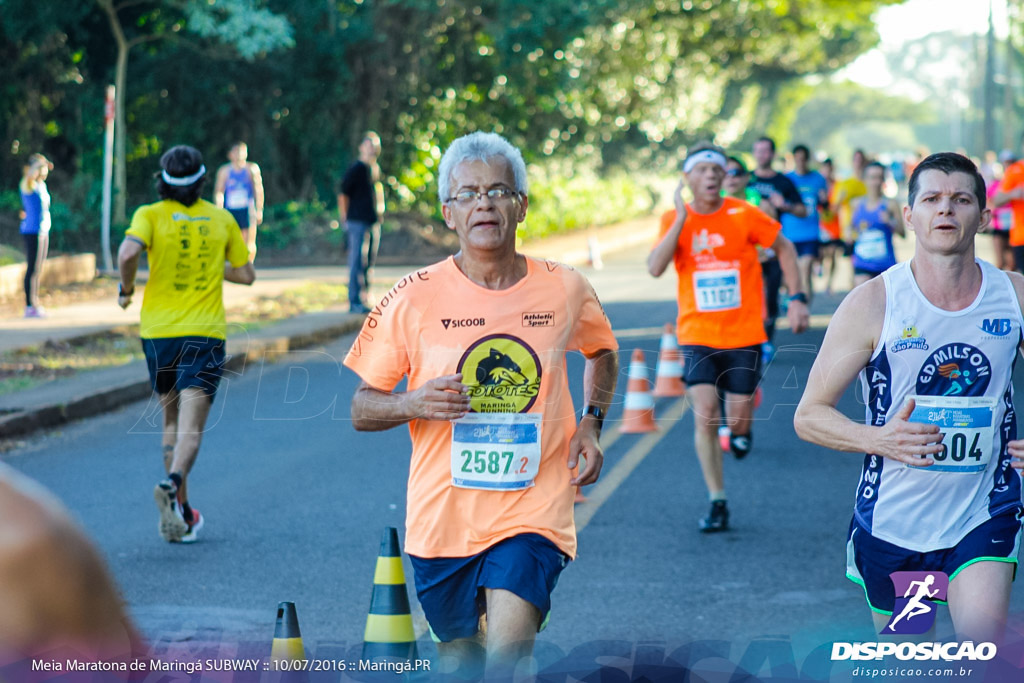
(35, 228)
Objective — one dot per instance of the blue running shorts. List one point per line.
(241, 217)
(451, 589)
(184, 362)
(870, 561)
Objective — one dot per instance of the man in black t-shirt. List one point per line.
(778, 196)
(360, 207)
(776, 190)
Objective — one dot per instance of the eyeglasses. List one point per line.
(496, 195)
(734, 172)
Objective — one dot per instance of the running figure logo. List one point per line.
(954, 370)
(954, 374)
(914, 613)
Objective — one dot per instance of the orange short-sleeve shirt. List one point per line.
(510, 347)
(721, 293)
(1012, 179)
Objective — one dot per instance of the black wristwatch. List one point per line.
(597, 413)
(799, 296)
(121, 292)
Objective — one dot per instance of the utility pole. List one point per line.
(1010, 132)
(988, 89)
(108, 163)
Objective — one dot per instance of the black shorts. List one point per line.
(1018, 258)
(808, 248)
(865, 271)
(735, 371)
(179, 363)
(241, 217)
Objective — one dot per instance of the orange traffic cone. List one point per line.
(668, 379)
(638, 415)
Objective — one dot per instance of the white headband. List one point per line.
(182, 182)
(703, 156)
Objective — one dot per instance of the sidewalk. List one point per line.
(95, 316)
(93, 392)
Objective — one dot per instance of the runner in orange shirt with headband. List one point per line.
(713, 244)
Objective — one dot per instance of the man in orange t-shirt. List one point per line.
(1011, 191)
(482, 338)
(713, 245)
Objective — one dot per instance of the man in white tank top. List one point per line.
(934, 342)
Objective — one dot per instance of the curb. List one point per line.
(23, 422)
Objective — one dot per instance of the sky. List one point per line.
(914, 19)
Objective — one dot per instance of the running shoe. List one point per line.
(197, 523)
(767, 353)
(724, 433)
(172, 524)
(34, 312)
(717, 519)
(740, 445)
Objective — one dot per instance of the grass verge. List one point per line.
(26, 368)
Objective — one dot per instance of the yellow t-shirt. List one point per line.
(187, 247)
(850, 188)
(510, 347)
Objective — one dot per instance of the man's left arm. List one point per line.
(238, 266)
(823, 195)
(798, 315)
(788, 199)
(599, 376)
(378, 192)
(257, 191)
(1010, 189)
(895, 218)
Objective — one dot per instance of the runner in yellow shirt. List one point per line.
(482, 338)
(183, 327)
(844, 192)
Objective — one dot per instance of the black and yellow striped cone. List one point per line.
(287, 638)
(389, 631)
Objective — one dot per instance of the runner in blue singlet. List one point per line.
(875, 219)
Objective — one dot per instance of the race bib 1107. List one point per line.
(717, 290)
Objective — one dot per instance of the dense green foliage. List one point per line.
(587, 88)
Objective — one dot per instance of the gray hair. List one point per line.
(479, 146)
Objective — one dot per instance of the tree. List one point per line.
(250, 30)
(582, 86)
(834, 106)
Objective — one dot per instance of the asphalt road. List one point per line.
(296, 502)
